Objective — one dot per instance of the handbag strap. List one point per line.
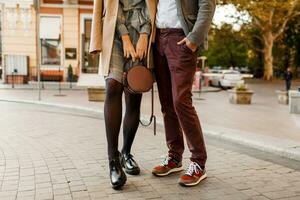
(152, 117)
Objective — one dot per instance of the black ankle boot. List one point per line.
(129, 164)
(117, 176)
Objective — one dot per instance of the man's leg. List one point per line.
(289, 84)
(182, 64)
(174, 136)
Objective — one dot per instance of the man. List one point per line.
(288, 77)
(182, 28)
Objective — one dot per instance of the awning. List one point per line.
(16, 3)
(73, 2)
(50, 27)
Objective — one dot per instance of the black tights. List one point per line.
(113, 117)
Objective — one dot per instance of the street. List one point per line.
(53, 153)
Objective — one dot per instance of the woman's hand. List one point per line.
(128, 48)
(142, 46)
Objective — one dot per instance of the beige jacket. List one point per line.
(103, 31)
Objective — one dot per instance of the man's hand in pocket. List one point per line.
(189, 44)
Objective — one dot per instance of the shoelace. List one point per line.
(193, 168)
(165, 162)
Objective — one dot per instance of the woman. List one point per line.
(122, 37)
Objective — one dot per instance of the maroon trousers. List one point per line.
(175, 67)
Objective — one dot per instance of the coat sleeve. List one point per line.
(96, 31)
(204, 18)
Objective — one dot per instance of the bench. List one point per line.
(52, 75)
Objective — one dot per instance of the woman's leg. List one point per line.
(131, 120)
(113, 115)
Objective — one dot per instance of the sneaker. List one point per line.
(193, 175)
(168, 166)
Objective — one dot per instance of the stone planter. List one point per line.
(283, 97)
(240, 97)
(294, 100)
(96, 94)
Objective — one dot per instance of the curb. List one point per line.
(281, 147)
(45, 89)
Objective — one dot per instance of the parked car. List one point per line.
(227, 79)
(216, 69)
(245, 70)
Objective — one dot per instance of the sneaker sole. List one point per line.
(193, 184)
(178, 169)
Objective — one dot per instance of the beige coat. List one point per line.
(103, 31)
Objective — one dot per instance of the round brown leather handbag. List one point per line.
(138, 79)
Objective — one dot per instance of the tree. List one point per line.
(70, 73)
(270, 17)
(291, 41)
(226, 48)
(255, 57)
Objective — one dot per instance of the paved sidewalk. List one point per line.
(52, 153)
(265, 124)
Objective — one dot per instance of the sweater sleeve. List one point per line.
(204, 19)
(146, 27)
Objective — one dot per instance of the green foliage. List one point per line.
(270, 18)
(70, 72)
(270, 14)
(226, 48)
(287, 49)
(241, 87)
(254, 44)
(255, 65)
(291, 45)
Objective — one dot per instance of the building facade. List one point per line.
(59, 35)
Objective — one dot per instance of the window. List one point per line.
(90, 62)
(50, 35)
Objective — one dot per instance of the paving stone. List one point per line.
(63, 197)
(61, 155)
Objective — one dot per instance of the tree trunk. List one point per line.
(268, 55)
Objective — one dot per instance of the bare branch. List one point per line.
(257, 23)
(258, 37)
(290, 15)
(264, 38)
(246, 40)
(271, 16)
(295, 15)
(256, 49)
